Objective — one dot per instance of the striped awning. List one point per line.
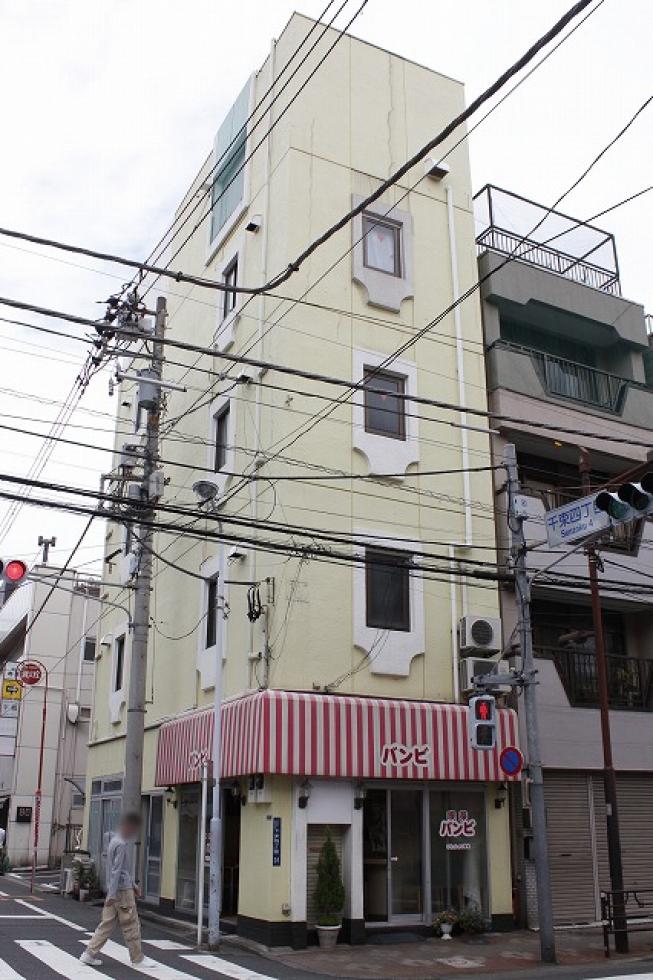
(305, 734)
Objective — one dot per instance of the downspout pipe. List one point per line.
(460, 368)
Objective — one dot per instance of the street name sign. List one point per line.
(575, 520)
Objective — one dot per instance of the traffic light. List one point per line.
(13, 571)
(631, 500)
(482, 722)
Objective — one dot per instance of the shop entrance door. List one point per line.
(393, 855)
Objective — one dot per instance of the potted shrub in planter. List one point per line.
(445, 921)
(329, 895)
(471, 921)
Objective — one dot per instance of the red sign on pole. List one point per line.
(29, 672)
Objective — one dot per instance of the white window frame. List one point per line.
(117, 696)
(390, 652)
(385, 453)
(207, 656)
(225, 329)
(385, 290)
(215, 243)
(222, 478)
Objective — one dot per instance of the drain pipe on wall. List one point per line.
(261, 325)
(464, 450)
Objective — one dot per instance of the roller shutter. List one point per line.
(316, 835)
(635, 800)
(569, 803)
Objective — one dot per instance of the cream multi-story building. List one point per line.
(56, 628)
(341, 677)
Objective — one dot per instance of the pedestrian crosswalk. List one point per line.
(42, 959)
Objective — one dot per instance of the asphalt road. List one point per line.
(42, 936)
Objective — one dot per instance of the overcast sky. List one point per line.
(110, 106)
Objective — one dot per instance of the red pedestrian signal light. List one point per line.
(482, 722)
(13, 571)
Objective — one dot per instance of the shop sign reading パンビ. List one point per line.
(456, 824)
(397, 754)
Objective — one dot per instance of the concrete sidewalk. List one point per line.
(494, 953)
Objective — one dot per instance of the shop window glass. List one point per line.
(458, 850)
(375, 856)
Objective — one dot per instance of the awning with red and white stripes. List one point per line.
(303, 734)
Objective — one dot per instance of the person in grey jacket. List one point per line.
(122, 892)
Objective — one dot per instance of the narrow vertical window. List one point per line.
(221, 438)
(230, 278)
(120, 664)
(89, 648)
(211, 612)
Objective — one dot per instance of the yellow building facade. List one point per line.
(343, 703)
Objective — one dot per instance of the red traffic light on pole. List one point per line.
(14, 570)
(482, 722)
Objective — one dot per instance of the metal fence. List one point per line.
(630, 679)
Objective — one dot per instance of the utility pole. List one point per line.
(538, 811)
(131, 795)
(609, 775)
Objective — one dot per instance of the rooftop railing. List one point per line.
(513, 225)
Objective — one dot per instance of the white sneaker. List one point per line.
(147, 963)
(89, 959)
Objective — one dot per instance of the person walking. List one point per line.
(122, 892)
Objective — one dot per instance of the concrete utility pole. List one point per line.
(538, 811)
(609, 775)
(132, 784)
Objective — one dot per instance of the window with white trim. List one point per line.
(382, 245)
(119, 663)
(387, 589)
(230, 278)
(228, 187)
(221, 438)
(385, 408)
(211, 630)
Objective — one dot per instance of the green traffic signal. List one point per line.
(610, 504)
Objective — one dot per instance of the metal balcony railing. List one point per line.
(563, 378)
(630, 679)
(512, 225)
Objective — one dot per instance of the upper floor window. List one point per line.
(221, 438)
(230, 278)
(385, 409)
(381, 245)
(228, 186)
(210, 636)
(90, 644)
(387, 589)
(119, 665)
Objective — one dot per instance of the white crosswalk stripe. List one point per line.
(118, 952)
(58, 960)
(227, 969)
(166, 944)
(8, 973)
(50, 915)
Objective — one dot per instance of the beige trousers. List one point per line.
(124, 912)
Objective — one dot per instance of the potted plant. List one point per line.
(329, 895)
(471, 921)
(445, 921)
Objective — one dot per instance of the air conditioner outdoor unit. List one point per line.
(479, 636)
(472, 667)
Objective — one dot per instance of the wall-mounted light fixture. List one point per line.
(304, 795)
(500, 795)
(170, 795)
(359, 796)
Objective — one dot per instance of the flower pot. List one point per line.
(446, 929)
(327, 936)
